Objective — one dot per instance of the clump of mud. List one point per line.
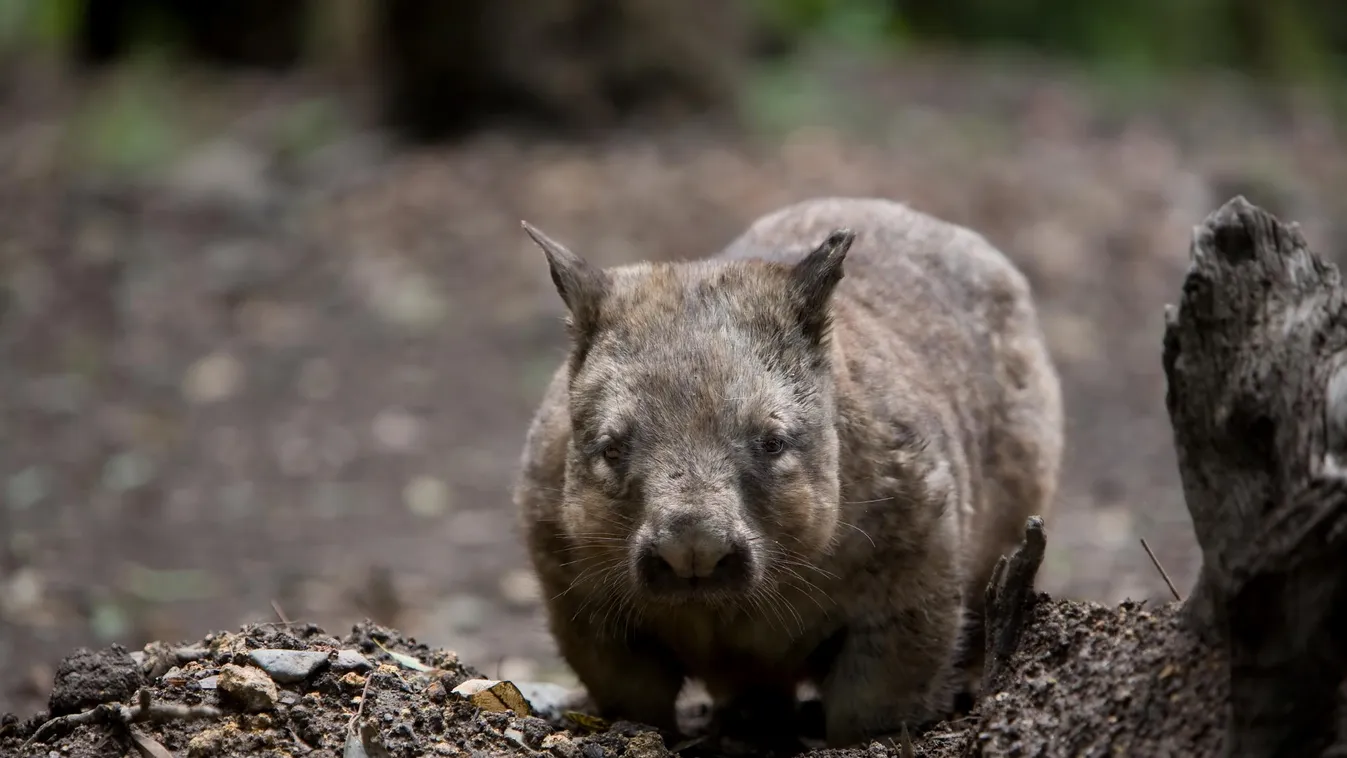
(1087, 680)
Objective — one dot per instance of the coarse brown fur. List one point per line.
(865, 445)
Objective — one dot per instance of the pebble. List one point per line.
(127, 471)
(520, 588)
(209, 683)
(213, 378)
(26, 488)
(426, 496)
(463, 613)
(350, 660)
(561, 745)
(515, 735)
(318, 379)
(646, 745)
(249, 687)
(288, 666)
(396, 430)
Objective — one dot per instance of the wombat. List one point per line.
(756, 472)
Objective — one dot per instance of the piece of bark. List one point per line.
(1007, 599)
(1256, 359)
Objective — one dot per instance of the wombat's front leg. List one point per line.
(626, 679)
(894, 666)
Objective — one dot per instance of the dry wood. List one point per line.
(1255, 355)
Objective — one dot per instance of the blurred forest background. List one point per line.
(270, 334)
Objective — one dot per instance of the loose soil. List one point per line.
(1087, 680)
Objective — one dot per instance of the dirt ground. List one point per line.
(291, 375)
(1138, 686)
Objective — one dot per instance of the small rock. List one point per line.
(463, 613)
(646, 745)
(22, 595)
(26, 488)
(127, 471)
(520, 588)
(515, 736)
(213, 378)
(350, 660)
(534, 729)
(87, 678)
(250, 688)
(225, 170)
(288, 666)
(426, 496)
(208, 683)
(317, 379)
(435, 693)
(395, 429)
(209, 742)
(561, 745)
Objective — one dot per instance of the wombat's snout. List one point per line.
(687, 557)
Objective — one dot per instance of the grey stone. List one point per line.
(350, 660)
(288, 666)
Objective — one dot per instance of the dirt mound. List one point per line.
(1137, 683)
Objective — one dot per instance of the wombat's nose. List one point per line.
(680, 565)
(694, 558)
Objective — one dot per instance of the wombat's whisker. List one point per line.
(864, 533)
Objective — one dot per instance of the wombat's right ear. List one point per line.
(580, 285)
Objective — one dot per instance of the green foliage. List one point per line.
(37, 24)
(1305, 39)
(128, 126)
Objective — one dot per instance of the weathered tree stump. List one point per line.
(1256, 359)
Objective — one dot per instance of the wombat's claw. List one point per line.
(1006, 594)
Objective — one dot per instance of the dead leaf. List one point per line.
(372, 741)
(353, 748)
(592, 723)
(495, 696)
(405, 660)
(148, 747)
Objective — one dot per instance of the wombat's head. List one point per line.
(702, 463)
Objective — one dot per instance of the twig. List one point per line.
(116, 713)
(1161, 569)
(280, 614)
(364, 695)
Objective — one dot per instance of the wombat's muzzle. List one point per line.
(689, 555)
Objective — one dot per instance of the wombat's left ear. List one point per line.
(816, 276)
(580, 285)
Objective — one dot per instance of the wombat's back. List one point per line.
(931, 309)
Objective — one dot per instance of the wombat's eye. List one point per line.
(612, 453)
(774, 445)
